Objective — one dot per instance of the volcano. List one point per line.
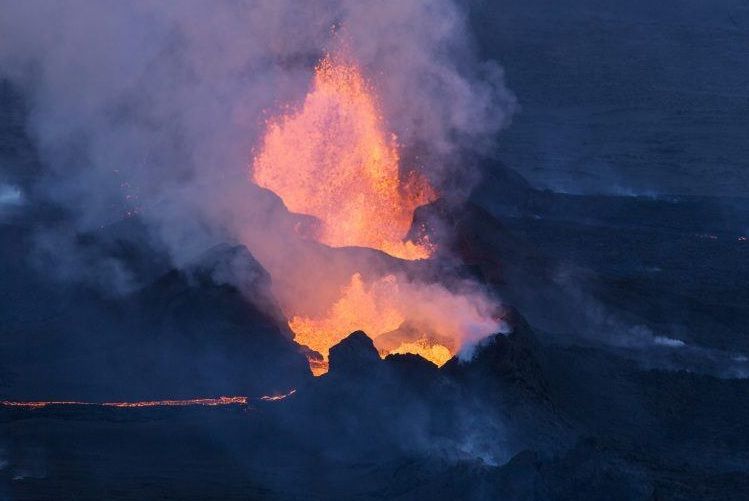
(526, 408)
(334, 160)
(286, 252)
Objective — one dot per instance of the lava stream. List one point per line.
(207, 402)
(181, 403)
(274, 398)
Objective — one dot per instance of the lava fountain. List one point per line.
(333, 158)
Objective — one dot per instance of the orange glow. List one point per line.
(318, 367)
(40, 404)
(379, 309)
(275, 398)
(143, 403)
(359, 308)
(433, 352)
(209, 402)
(334, 160)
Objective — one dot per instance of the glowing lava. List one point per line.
(433, 352)
(206, 402)
(334, 160)
(359, 308)
(275, 398)
(401, 317)
(211, 402)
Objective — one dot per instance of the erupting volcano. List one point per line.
(334, 159)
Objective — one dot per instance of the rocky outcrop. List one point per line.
(507, 361)
(354, 355)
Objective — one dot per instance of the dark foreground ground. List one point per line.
(625, 376)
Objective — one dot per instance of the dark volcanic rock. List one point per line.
(190, 333)
(220, 326)
(411, 366)
(354, 355)
(506, 360)
(233, 265)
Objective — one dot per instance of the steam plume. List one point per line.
(153, 109)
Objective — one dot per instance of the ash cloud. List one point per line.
(153, 109)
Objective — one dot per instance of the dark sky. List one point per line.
(624, 97)
(636, 97)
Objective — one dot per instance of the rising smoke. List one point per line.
(154, 109)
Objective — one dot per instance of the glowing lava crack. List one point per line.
(192, 402)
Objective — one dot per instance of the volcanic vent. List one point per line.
(333, 158)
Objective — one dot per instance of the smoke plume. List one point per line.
(154, 110)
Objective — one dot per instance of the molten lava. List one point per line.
(385, 310)
(334, 160)
(207, 402)
(210, 402)
(359, 308)
(433, 352)
(275, 398)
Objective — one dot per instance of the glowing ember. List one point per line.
(334, 160)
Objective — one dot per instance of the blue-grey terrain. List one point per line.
(612, 218)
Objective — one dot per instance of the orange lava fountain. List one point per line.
(333, 160)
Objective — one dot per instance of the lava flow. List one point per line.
(206, 402)
(275, 398)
